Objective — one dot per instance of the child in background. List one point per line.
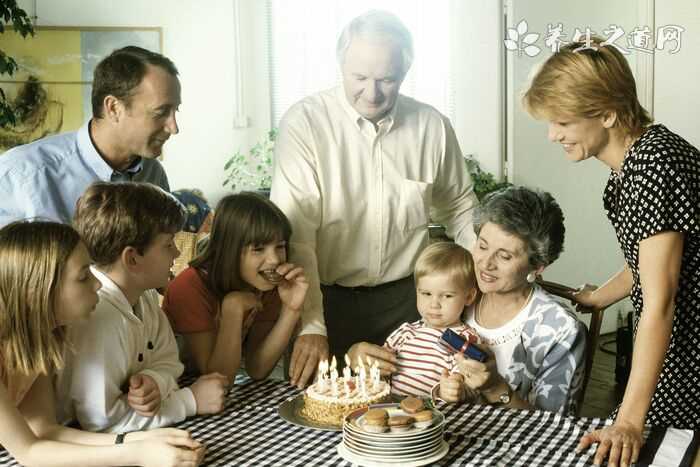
(413, 354)
(123, 375)
(239, 297)
(45, 285)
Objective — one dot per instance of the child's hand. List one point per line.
(452, 387)
(210, 393)
(385, 358)
(479, 376)
(292, 289)
(144, 395)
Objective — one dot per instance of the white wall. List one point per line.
(198, 37)
(676, 92)
(591, 252)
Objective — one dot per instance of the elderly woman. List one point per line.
(536, 345)
(588, 95)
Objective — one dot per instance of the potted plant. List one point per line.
(484, 182)
(22, 24)
(252, 170)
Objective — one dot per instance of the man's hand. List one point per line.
(210, 393)
(309, 349)
(144, 395)
(385, 358)
(452, 387)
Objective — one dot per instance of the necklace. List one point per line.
(477, 313)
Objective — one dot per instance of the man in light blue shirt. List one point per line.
(135, 96)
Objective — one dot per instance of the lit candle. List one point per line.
(347, 376)
(321, 380)
(374, 374)
(334, 377)
(363, 378)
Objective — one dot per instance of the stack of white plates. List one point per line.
(417, 446)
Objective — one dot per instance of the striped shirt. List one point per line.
(421, 358)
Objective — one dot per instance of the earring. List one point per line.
(531, 277)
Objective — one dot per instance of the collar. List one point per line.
(359, 120)
(93, 158)
(89, 153)
(111, 292)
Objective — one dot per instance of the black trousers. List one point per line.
(370, 314)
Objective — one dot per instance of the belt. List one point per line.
(372, 288)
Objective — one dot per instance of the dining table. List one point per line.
(251, 432)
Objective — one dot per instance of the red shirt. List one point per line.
(192, 307)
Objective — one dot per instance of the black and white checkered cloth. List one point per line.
(249, 432)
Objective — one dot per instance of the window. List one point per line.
(303, 35)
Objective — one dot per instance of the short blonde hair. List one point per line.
(578, 81)
(33, 256)
(448, 258)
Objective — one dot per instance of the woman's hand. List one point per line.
(292, 289)
(619, 443)
(585, 297)
(385, 358)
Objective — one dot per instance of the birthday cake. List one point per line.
(330, 398)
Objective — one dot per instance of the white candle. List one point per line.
(363, 379)
(321, 381)
(347, 377)
(374, 374)
(334, 376)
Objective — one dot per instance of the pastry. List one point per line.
(400, 423)
(412, 405)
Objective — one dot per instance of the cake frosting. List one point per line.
(324, 405)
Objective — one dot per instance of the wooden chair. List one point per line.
(567, 292)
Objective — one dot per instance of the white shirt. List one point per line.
(115, 342)
(503, 339)
(359, 199)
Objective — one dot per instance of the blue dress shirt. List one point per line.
(44, 179)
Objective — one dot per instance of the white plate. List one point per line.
(408, 457)
(354, 422)
(393, 446)
(396, 450)
(391, 438)
(366, 462)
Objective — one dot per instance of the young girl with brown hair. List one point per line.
(239, 299)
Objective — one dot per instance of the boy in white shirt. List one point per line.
(123, 373)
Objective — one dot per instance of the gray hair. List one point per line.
(531, 215)
(377, 23)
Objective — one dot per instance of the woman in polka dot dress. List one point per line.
(587, 93)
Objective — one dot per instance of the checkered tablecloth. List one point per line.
(249, 432)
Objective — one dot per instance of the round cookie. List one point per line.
(400, 423)
(412, 405)
(423, 419)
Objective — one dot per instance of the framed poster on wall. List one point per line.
(51, 90)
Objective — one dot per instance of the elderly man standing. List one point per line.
(135, 95)
(359, 170)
